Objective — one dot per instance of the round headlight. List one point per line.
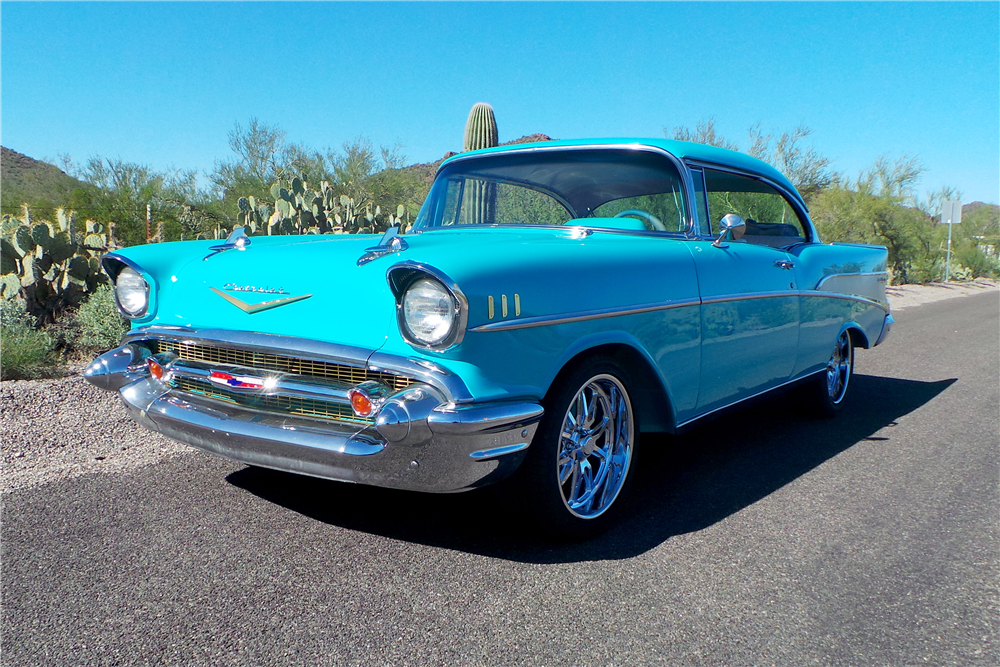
(429, 312)
(132, 292)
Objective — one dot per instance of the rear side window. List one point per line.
(770, 218)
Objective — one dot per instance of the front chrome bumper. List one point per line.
(419, 441)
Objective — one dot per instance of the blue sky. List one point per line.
(163, 83)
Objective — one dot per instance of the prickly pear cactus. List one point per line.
(50, 265)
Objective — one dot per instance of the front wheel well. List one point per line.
(650, 396)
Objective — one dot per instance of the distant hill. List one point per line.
(968, 209)
(26, 180)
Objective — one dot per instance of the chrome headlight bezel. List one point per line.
(407, 276)
(138, 293)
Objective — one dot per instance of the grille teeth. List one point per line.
(348, 375)
(292, 405)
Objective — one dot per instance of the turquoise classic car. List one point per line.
(551, 302)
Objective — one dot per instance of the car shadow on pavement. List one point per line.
(683, 483)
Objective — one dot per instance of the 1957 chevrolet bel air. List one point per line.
(551, 302)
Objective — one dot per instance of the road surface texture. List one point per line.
(761, 538)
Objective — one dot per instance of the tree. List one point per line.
(120, 192)
(804, 166)
(705, 133)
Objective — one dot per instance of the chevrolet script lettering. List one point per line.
(233, 287)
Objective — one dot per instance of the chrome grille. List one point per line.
(348, 375)
(291, 405)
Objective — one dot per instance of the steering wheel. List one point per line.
(643, 215)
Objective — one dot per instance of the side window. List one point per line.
(769, 217)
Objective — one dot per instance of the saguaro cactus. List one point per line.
(479, 203)
(480, 128)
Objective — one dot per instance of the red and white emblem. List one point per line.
(238, 381)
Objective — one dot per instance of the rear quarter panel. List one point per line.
(842, 285)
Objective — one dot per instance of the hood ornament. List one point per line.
(390, 243)
(237, 239)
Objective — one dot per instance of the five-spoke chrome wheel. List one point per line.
(838, 369)
(595, 446)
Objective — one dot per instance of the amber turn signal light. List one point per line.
(360, 403)
(155, 369)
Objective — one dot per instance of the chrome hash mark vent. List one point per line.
(290, 405)
(348, 375)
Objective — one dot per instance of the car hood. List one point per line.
(311, 287)
(552, 271)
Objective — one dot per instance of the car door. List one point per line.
(749, 310)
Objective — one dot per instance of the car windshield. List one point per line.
(552, 187)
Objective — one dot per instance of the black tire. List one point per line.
(576, 474)
(828, 390)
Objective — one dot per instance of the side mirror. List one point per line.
(730, 223)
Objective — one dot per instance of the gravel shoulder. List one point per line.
(63, 428)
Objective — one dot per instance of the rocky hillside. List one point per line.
(24, 179)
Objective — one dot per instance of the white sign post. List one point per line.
(951, 214)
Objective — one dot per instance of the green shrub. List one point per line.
(25, 352)
(978, 262)
(101, 325)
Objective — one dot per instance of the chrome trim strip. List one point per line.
(498, 451)
(822, 280)
(447, 383)
(847, 297)
(750, 296)
(759, 393)
(546, 320)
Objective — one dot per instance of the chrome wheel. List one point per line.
(838, 369)
(595, 446)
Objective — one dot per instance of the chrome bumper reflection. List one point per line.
(419, 441)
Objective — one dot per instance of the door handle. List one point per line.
(784, 264)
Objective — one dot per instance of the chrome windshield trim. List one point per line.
(545, 320)
(679, 164)
(448, 384)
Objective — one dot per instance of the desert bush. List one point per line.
(978, 262)
(101, 325)
(25, 352)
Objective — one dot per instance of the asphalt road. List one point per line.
(762, 538)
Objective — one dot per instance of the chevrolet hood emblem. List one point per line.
(251, 308)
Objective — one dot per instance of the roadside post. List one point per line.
(951, 214)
